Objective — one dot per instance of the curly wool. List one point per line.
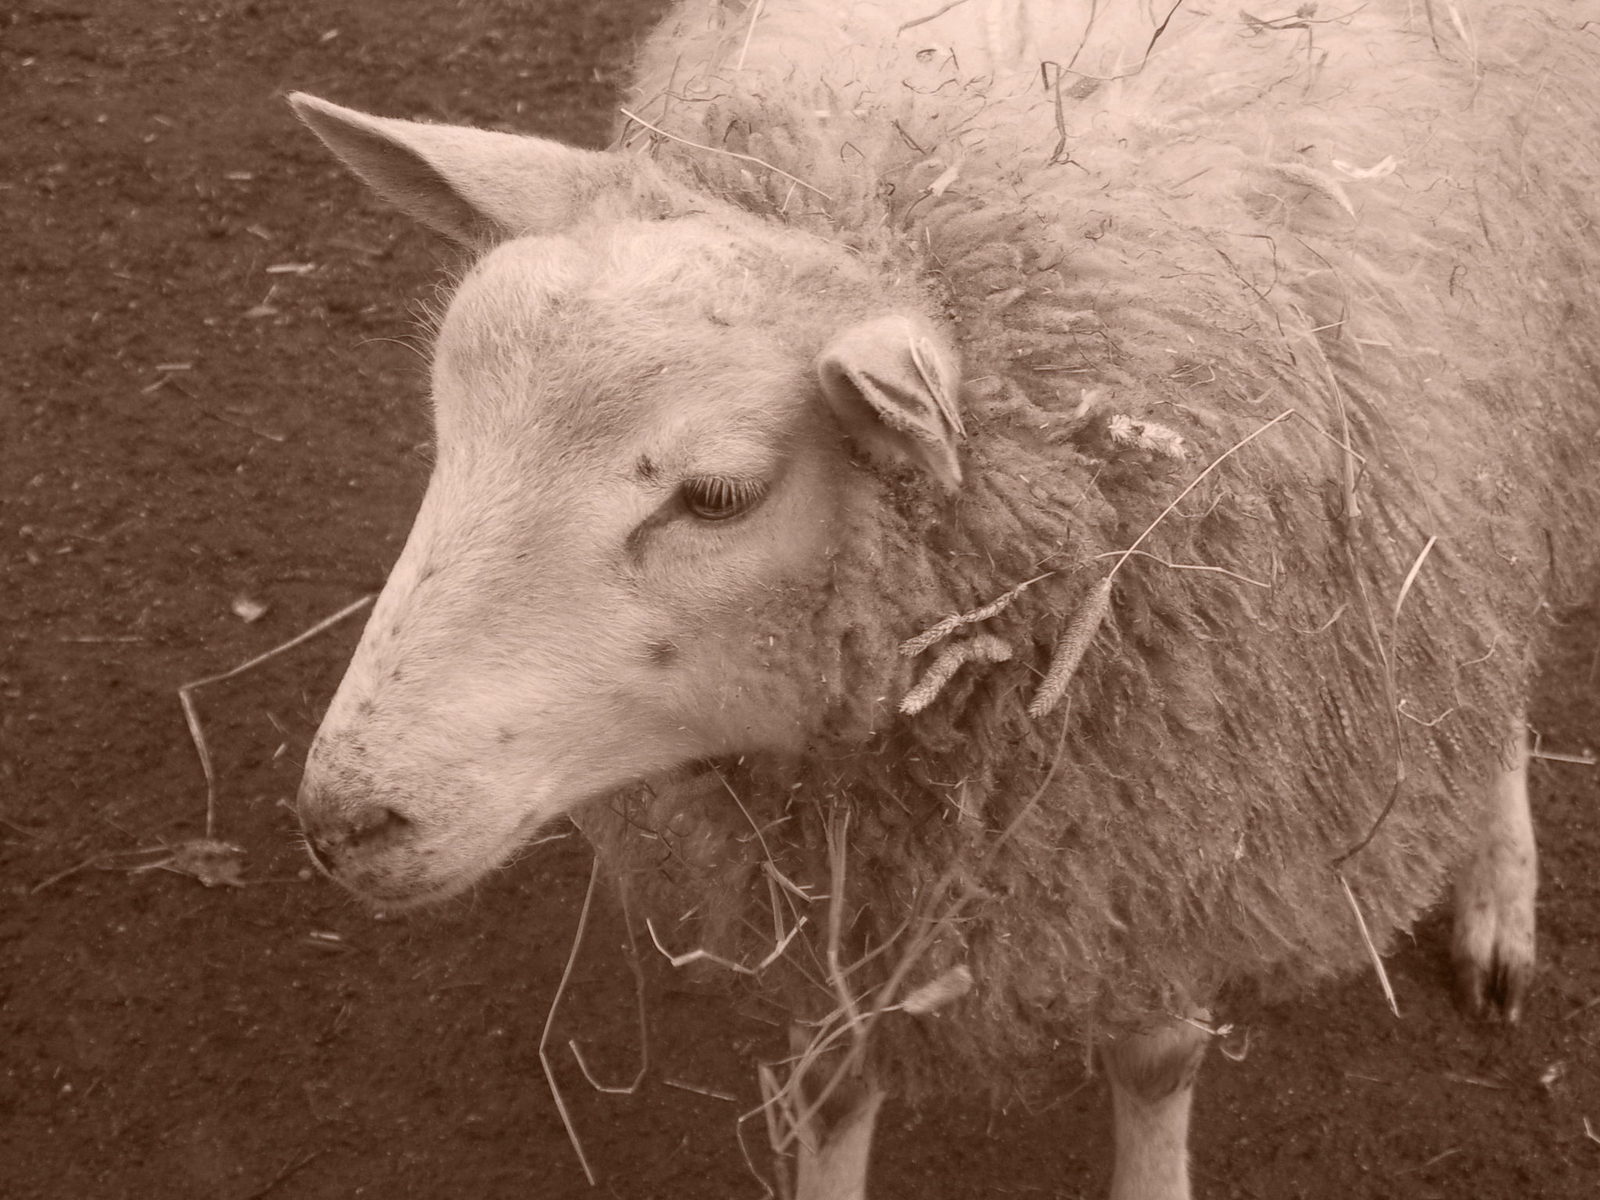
(1384, 232)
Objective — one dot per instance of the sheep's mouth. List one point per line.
(390, 890)
(421, 875)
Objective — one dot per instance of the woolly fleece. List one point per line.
(1151, 240)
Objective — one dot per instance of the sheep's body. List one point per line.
(1282, 325)
(1311, 218)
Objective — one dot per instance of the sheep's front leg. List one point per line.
(1494, 922)
(835, 1144)
(1152, 1086)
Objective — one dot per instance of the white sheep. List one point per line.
(1016, 516)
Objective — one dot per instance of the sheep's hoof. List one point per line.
(1494, 954)
(1496, 989)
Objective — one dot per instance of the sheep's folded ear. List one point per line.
(893, 385)
(472, 185)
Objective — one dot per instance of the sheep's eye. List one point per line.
(715, 498)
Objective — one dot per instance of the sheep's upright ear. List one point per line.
(893, 384)
(472, 185)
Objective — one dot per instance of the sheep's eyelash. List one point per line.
(713, 497)
(726, 489)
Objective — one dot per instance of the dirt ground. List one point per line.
(213, 392)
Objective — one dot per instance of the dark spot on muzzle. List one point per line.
(662, 653)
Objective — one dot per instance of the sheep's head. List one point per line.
(656, 419)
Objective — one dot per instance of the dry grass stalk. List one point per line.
(637, 969)
(776, 879)
(933, 16)
(192, 716)
(1238, 1054)
(1176, 566)
(773, 1100)
(1372, 949)
(787, 1112)
(838, 836)
(1086, 621)
(1194, 483)
(701, 954)
(1405, 586)
(1582, 1008)
(698, 1090)
(550, 1019)
(943, 989)
(750, 32)
(625, 1089)
(749, 158)
(1392, 691)
(1584, 758)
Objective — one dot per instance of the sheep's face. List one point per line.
(647, 434)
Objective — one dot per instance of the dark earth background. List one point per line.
(160, 1038)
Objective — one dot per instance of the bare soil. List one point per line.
(212, 389)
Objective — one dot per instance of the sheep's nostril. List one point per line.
(318, 855)
(375, 824)
(330, 841)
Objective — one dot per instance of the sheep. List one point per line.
(1000, 521)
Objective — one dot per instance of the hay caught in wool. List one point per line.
(1166, 227)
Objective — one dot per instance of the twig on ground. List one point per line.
(1437, 1158)
(92, 860)
(212, 862)
(289, 1170)
(207, 410)
(1584, 758)
(23, 830)
(1476, 1081)
(699, 1091)
(1582, 1008)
